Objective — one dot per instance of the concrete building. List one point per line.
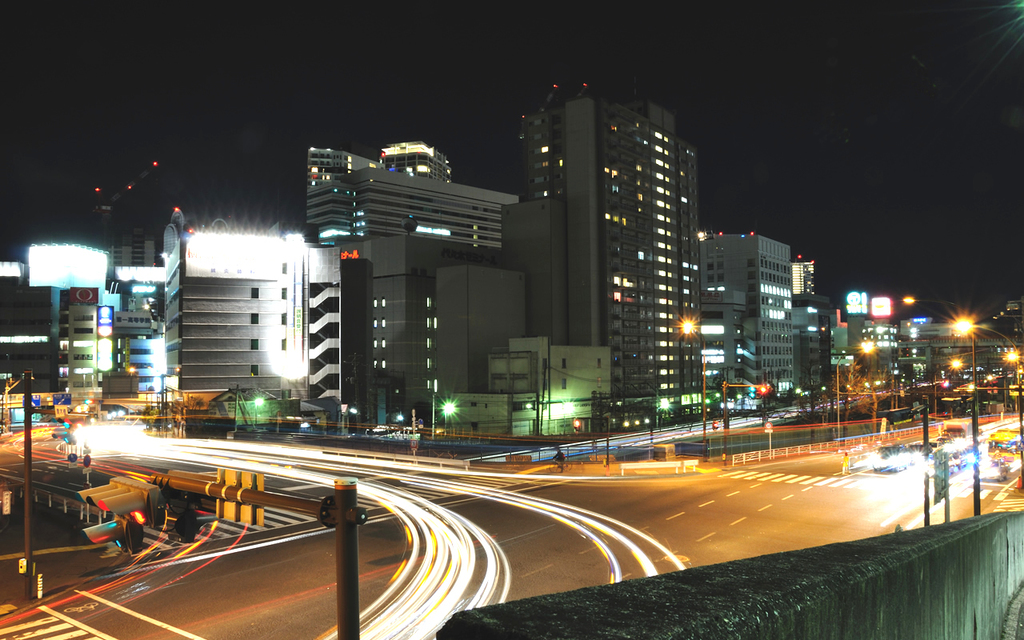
(378, 299)
(30, 335)
(622, 228)
(235, 308)
(803, 276)
(377, 203)
(535, 388)
(416, 159)
(759, 268)
(812, 340)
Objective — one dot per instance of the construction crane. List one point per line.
(105, 206)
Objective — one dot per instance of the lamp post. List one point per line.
(689, 328)
(966, 326)
(1014, 357)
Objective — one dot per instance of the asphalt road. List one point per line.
(279, 582)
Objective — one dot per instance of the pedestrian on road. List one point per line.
(846, 463)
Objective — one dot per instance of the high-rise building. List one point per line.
(803, 276)
(416, 159)
(628, 244)
(324, 165)
(759, 268)
(376, 203)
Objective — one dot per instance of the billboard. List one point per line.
(881, 307)
(240, 257)
(84, 295)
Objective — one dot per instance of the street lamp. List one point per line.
(689, 328)
(966, 326)
(1014, 357)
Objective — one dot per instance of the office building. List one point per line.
(235, 306)
(803, 276)
(621, 240)
(376, 203)
(416, 159)
(760, 269)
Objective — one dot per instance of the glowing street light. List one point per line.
(688, 328)
(966, 326)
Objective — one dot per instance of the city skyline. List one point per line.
(861, 140)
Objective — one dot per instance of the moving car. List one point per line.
(893, 457)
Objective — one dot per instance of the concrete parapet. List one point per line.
(953, 580)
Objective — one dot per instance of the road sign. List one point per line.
(72, 457)
(7, 503)
(716, 424)
(767, 427)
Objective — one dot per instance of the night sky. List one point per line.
(885, 144)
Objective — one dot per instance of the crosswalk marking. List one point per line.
(784, 478)
(957, 489)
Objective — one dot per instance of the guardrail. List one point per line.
(398, 457)
(846, 443)
(830, 446)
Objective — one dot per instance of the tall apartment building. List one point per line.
(759, 268)
(803, 276)
(416, 159)
(628, 246)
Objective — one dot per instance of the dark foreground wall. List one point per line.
(947, 581)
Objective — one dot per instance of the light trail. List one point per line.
(451, 564)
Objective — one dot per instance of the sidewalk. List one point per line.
(61, 554)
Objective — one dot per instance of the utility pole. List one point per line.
(26, 404)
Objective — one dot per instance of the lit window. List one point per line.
(543, 149)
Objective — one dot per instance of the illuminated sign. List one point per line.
(919, 320)
(84, 295)
(881, 307)
(66, 266)
(857, 303)
(433, 231)
(23, 339)
(144, 288)
(105, 354)
(104, 321)
(235, 256)
(350, 255)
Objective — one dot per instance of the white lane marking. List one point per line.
(75, 623)
(675, 516)
(738, 521)
(162, 625)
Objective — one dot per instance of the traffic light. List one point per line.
(135, 505)
(763, 390)
(65, 431)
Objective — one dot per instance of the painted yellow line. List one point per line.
(76, 623)
(162, 625)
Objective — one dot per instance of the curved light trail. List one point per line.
(450, 563)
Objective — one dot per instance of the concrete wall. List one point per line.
(947, 581)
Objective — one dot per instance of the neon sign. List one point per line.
(857, 303)
(104, 321)
(350, 255)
